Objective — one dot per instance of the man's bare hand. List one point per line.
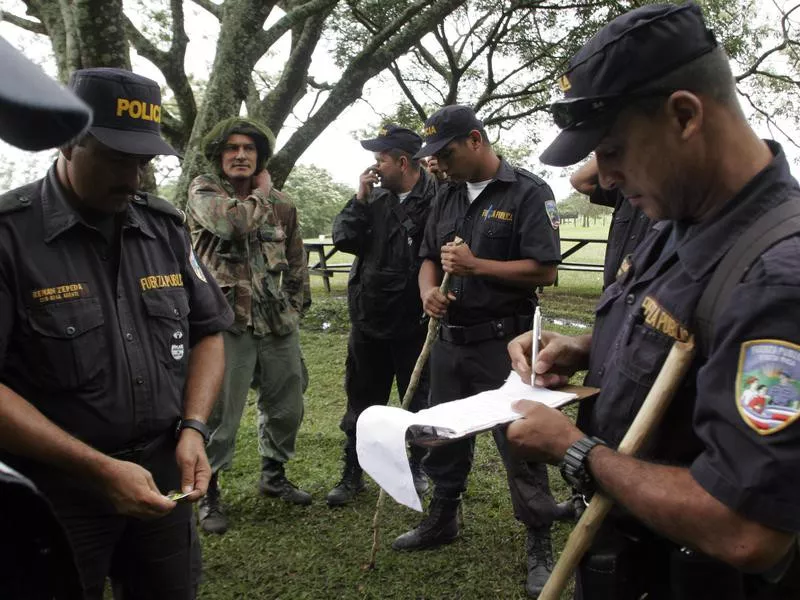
(366, 182)
(263, 182)
(543, 434)
(560, 356)
(192, 460)
(435, 303)
(132, 490)
(458, 259)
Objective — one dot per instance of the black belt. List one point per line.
(137, 451)
(497, 329)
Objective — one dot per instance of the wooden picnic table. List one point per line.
(323, 249)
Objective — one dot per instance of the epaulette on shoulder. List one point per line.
(18, 199)
(161, 205)
(527, 174)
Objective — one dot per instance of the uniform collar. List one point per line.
(505, 172)
(706, 243)
(60, 216)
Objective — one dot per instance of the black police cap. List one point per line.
(394, 137)
(445, 125)
(36, 112)
(127, 109)
(615, 66)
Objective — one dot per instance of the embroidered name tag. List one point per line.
(155, 282)
(656, 317)
(767, 384)
(67, 291)
(500, 215)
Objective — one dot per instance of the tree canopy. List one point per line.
(501, 57)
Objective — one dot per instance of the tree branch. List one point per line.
(266, 38)
(32, 26)
(214, 9)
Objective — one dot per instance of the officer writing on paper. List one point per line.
(110, 353)
(710, 507)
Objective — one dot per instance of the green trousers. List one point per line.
(274, 367)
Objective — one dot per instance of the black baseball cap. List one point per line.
(615, 67)
(446, 124)
(127, 109)
(36, 112)
(394, 137)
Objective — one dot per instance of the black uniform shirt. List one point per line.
(105, 360)
(629, 226)
(385, 236)
(745, 454)
(507, 221)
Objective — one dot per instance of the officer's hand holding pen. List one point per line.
(368, 179)
(458, 259)
(132, 491)
(559, 357)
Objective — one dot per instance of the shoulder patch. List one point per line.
(768, 385)
(18, 199)
(552, 213)
(160, 205)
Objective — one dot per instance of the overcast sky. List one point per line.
(336, 150)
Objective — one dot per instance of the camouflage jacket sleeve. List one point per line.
(294, 280)
(227, 217)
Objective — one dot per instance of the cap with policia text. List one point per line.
(445, 125)
(394, 137)
(35, 111)
(615, 67)
(127, 110)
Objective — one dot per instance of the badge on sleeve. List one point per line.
(196, 266)
(552, 213)
(768, 385)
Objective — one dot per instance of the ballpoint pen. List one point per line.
(536, 334)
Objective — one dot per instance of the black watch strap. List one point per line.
(573, 467)
(198, 426)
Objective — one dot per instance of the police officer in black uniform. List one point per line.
(36, 560)
(506, 217)
(710, 507)
(383, 227)
(629, 224)
(110, 358)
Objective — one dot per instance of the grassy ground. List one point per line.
(276, 551)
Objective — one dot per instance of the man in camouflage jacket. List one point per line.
(246, 233)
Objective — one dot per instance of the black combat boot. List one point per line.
(439, 527)
(274, 483)
(420, 479)
(540, 559)
(351, 482)
(209, 510)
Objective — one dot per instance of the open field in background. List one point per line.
(278, 551)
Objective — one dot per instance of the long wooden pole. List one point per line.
(647, 419)
(430, 338)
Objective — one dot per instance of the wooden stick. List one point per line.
(649, 416)
(433, 332)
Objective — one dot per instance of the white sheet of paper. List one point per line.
(381, 430)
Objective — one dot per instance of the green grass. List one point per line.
(276, 551)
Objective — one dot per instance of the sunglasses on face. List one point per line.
(573, 112)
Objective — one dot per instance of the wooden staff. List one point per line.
(433, 332)
(649, 416)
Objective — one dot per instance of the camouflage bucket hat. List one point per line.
(214, 142)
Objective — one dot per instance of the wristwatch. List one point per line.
(573, 467)
(198, 426)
